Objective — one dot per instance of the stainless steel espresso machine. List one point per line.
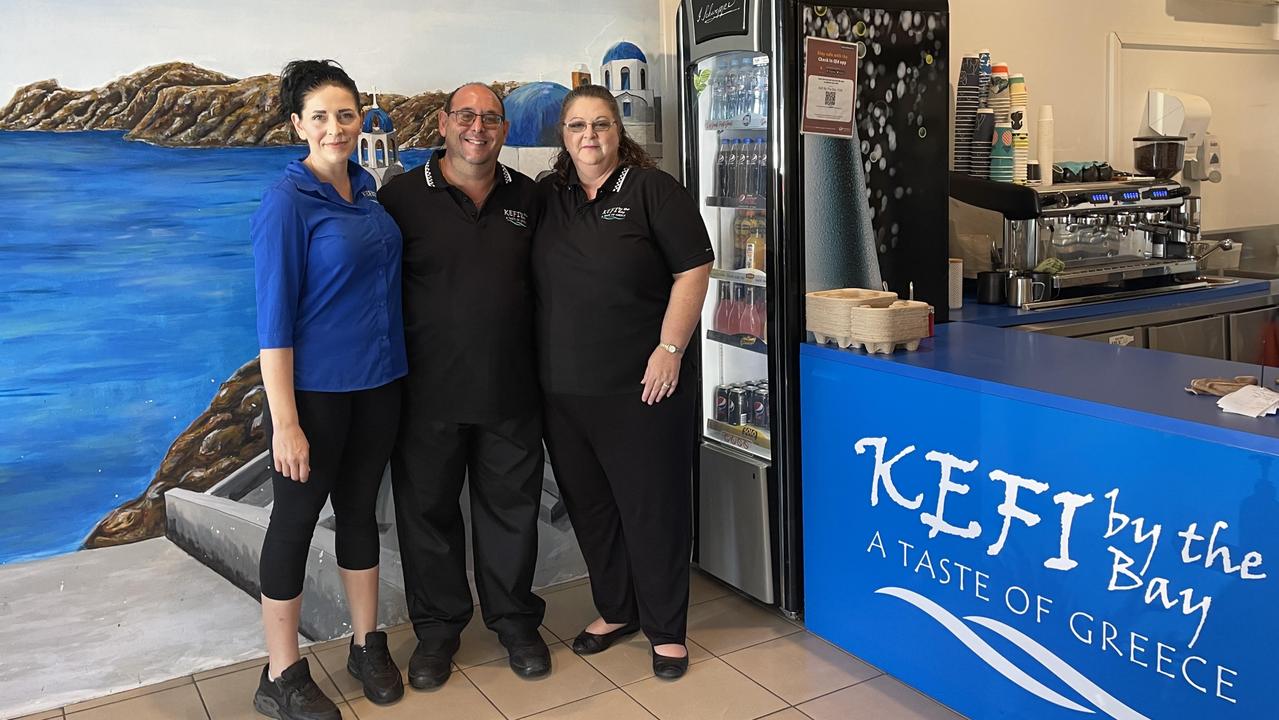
(1091, 242)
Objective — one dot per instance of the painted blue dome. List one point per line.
(534, 113)
(377, 116)
(624, 51)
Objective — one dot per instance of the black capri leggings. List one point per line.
(350, 435)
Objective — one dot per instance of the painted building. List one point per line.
(625, 72)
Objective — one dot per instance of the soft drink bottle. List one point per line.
(718, 91)
(734, 155)
(721, 169)
(761, 90)
(762, 176)
(743, 168)
(723, 308)
(752, 319)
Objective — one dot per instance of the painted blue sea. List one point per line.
(126, 298)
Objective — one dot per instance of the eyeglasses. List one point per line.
(466, 117)
(599, 126)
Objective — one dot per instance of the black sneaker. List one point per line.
(373, 667)
(293, 696)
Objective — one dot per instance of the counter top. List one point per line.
(1005, 316)
(1131, 385)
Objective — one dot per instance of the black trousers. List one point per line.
(625, 470)
(350, 435)
(430, 463)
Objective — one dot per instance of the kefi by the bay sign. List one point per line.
(1112, 571)
(718, 18)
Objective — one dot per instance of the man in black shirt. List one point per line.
(472, 403)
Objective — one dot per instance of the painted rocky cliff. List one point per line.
(213, 446)
(182, 105)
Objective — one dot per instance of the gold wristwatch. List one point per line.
(671, 348)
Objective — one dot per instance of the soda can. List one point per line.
(738, 408)
(759, 409)
(721, 403)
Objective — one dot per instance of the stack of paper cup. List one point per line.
(983, 136)
(1001, 153)
(983, 76)
(955, 284)
(1044, 136)
(967, 97)
(1021, 129)
(1000, 100)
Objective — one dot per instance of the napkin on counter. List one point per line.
(1220, 386)
(1251, 401)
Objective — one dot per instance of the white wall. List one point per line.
(1062, 48)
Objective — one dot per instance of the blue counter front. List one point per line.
(1024, 526)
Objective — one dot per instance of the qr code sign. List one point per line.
(830, 98)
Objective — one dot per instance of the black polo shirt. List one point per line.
(468, 296)
(603, 272)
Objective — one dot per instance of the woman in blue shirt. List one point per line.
(331, 332)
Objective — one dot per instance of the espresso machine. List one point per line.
(1092, 241)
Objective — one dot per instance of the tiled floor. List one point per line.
(747, 663)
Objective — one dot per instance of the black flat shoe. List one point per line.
(432, 664)
(669, 668)
(589, 643)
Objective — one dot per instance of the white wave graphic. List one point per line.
(1072, 677)
(982, 649)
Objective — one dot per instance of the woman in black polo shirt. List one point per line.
(621, 261)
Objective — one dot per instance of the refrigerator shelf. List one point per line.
(745, 342)
(743, 437)
(755, 278)
(745, 122)
(752, 202)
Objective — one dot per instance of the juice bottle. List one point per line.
(723, 308)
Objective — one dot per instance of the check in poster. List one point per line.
(830, 87)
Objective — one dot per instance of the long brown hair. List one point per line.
(630, 153)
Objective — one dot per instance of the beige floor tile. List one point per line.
(136, 692)
(570, 679)
(614, 705)
(631, 661)
(703, 587)
(230, 696)
(569, 611)
(732, 623)
(177, 703)
(882, 698)
(457, 699)
(800, 667)
(787, 714)
(711, 689)
(46, 715)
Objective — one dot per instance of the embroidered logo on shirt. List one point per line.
(615, 213)
(516, 218)
(370, 194)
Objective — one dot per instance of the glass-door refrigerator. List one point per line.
(790, 213)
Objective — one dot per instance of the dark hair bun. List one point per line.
(302, 77)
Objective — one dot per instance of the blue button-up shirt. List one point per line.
(328, 281)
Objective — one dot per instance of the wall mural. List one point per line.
(133, 486)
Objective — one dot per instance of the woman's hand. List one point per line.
(291, 452)
(661, 376)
